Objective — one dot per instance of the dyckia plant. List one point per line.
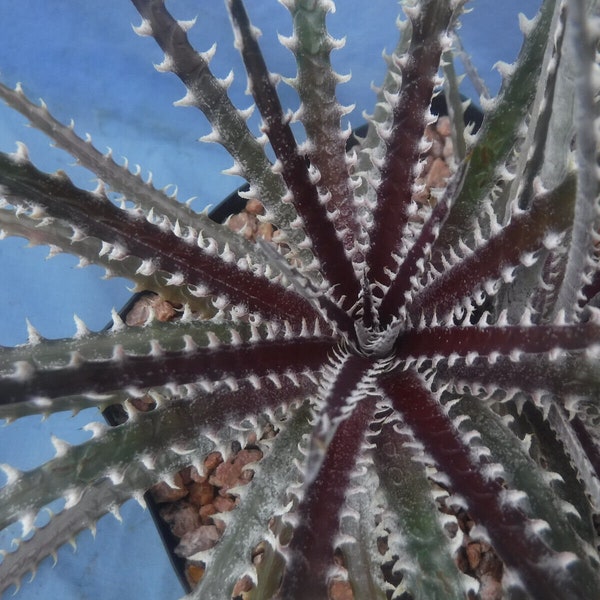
(415, 369)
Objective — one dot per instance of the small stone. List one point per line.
(194, 573)
(143, 404)
(212, 461)
(140, 312)
(490, 589)
(224, 476)
(427, 162)
(255, 207)
(188, 475)
(242, 586)
(224, 503)
(248, 455)
(474, 555)
(219, 524)
(340, 590)
(243, 224)
(461, 560)
(202, 538)
(245, 477)
(167, 512)
(422, 195)
(438, 173)
(265, 231)
(258, 553)
(162, 492)
(278, 237)
(443, 126)
(201, 493)
(206, 512)
(451, 528)
(269, 432)
(228, 474)
(185, 519)
(448, 151)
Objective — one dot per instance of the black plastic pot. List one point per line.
(234, 204)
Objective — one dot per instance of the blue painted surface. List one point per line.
(85, 61)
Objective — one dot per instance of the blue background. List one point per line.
(86, 62)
